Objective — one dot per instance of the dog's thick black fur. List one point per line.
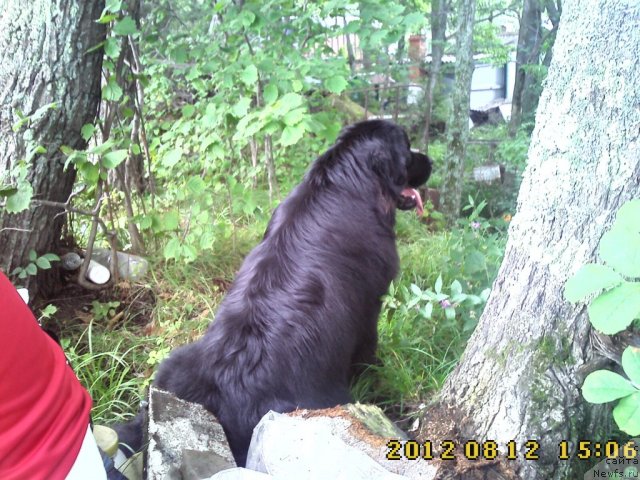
(301, 316)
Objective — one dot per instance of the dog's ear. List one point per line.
(418, 169)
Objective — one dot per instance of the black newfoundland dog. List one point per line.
(301, 316)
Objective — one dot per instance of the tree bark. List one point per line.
(458, 125)
(44, 58)
(521, 373)
(528, 54)
(438, 41)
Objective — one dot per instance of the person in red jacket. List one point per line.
(44, 411)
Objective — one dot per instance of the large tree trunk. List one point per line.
(521, 374)
(43, 59)
(438, 41)
(458, 125)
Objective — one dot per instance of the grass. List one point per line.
(107, 374)
(116, 362)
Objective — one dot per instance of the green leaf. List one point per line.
(170, 220)
(31, 269)
(106, 18)
(32, 255)
(145, 222)
(188, 111)
(87, 131)
(112, 48)
(438, 297)
(113, 159)
(456, 288)
(352, 27)
(294, 116)
(270, 93)
(627, 414)
(296, 85)
(615, 309)
(48, 311)
(484, 295)
(247, 17)
(112, 91)
(33, 151)
(629, 214)
(438, 285)
(427, 310)
(450, 313)
(241, 108)
(589, 279)
(631, 364)
(249, 75)
(196, 185)
(207, 240)
(170, 158)
(415, 19)
(126, 26)
(179, 54)
(291, 134)
(113, 5)
(172, 249)
(415, 290)
(458, 298)
(52, 257)
(43, 263)
(20, 200)
(288, 102)
(336, 84)
(90, 172)
(474, 300)
(603, 386)
(102, 148)
(620, 247)
(189, 253)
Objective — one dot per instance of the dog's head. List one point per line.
(385, 148)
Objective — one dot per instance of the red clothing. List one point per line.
(44, 411)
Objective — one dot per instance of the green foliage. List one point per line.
(603, 386)
(614, 309)
(103, 311)
(615, 306)
(14, 185)
(106, 374)
(47, 312)
(36, 262)
(419, 344)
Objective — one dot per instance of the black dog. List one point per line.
(301, 316)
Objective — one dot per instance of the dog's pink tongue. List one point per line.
(412, 192)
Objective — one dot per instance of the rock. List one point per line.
(71, 261)
(342, 442)
(184, 438)
(197, 465)
(290, 448)
(240, 474)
